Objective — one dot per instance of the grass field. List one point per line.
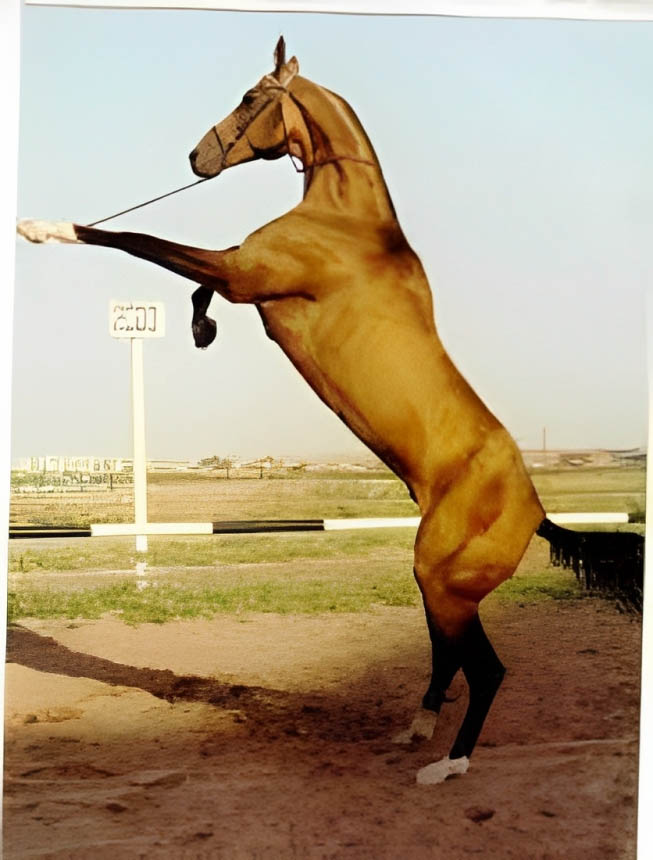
(302, 572)
(199, 577)
(206, 496)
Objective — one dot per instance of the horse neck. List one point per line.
(341, 167)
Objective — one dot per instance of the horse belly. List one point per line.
(381, 377)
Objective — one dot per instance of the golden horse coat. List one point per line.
(346, 298)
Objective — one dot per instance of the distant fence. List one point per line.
(277, 470)
(62, 482)
(608, 562)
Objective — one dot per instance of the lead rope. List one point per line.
(147, 202)
(300, 169)
(184, 187)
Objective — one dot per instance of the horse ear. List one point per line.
(279, 55)
(288, 71)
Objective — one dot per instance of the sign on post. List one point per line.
(138, 320)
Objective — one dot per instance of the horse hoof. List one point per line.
(421, 729)
(204, 332)
(437, 772)
(46, 231)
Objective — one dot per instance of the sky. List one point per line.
(518, 157)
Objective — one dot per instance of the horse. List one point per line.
(341, 291)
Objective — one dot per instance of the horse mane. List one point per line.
(333, 126)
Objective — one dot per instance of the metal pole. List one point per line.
(138, 425)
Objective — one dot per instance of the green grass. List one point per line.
(310, 572)
(271, 573)
(352, 584)
(160, 601)
(548, 584)
(592, 489)
(119, 553)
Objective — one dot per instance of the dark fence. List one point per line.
(608, 562)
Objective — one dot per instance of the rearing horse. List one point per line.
(346, 298)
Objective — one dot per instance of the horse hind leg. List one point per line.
(446, 661)
(484, 673)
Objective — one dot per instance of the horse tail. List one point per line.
(612, 561)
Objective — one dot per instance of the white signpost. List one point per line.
(136, 321)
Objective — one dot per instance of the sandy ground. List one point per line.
(269, 737)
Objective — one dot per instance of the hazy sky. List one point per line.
(518, 156)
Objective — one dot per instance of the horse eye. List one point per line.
(249, 98)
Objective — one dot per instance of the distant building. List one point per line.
(52, 463)
(630, 457)
(88, 465)
(167, 465)
(578, 458)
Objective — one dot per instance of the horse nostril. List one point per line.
(193, 156)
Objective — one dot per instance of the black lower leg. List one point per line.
(204, 328)
(484, 673)
(446, 660)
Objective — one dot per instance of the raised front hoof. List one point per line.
(421, 729)
(204, 332)
(437, 772)
(46, 231)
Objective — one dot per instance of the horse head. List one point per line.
(256, 128)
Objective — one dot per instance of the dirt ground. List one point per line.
(269, 737)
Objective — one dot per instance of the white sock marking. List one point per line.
(421, 728)
(46, 231)
(437, 772)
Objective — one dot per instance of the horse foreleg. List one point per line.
(209, 268)
(212, 269)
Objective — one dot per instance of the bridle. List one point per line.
(299, 166)
(304, 168)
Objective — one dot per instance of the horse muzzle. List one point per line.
(206, 167)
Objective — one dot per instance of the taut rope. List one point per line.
(301, 169)
(147, 202)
